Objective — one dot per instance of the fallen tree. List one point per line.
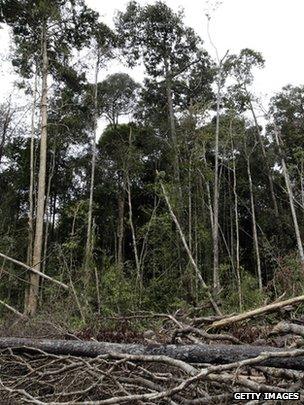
(255, 312)
(198, 353)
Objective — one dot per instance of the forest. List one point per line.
(150, 227)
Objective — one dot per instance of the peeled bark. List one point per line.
(201, 353)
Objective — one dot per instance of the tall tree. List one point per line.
(44, 31)
(102, 47)
(157, 35)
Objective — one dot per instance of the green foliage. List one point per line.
(252, 296)
(119, 293)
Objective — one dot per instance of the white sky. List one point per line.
(273, 27)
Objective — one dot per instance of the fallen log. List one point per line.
(255, 312)
(198, 353)
(284, 327)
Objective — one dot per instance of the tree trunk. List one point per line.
(254, 226)
(48, 216)
(200, 353)
(120, 227)
(134, 241)
(32, 178)
(32, 304)
(168, 81)
(215, 228)
(31, 189)
(89, 242)
(237, 230)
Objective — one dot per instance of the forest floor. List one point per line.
(42, 376)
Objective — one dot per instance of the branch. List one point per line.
(25, 266)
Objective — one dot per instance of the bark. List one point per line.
(255, 312)
(254, 226)
(201, 353)
(32, 303)
(89, 242)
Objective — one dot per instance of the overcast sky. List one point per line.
(273, 27)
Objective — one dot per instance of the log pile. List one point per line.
(190, 365)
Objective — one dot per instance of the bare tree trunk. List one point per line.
(237, 232)
(31, 189)
(215, 228)
(168, 81)
(291, 199)
(48, 212)
(120, 227)
(32, 303)
(136, 255)
(190, 204)
(89, 242)
(254, 226)
(32, 178)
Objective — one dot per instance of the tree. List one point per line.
(44, 31)
(117, 96)
(103, 40)
(157, 35)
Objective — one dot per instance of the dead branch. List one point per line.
(31, 269)
(255, 312)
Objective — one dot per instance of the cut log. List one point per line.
(255, 312)
(210, 354)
